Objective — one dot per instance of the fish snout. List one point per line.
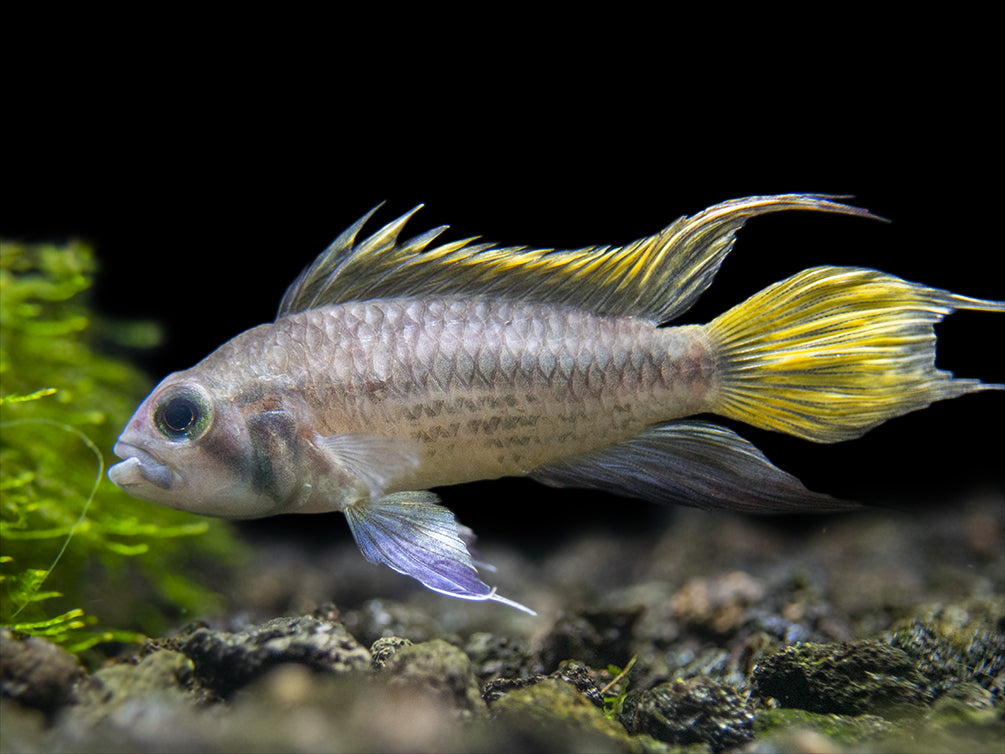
(138, 467)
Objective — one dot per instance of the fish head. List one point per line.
(188, 447)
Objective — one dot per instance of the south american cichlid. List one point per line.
(393, 367)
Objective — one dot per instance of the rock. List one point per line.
(384, 649)
(851, 678)
(948, 654)
(700, 632)
(576, 674)
(225, 662)
(579, 676)
(494, 656)
(966, 703)
(796, 730)
(696, 710)
(596, 637)
(162, 671)
(155, 687)
(551, 715)
(22, 729)
(293, 709)
(36, 672)
(438, 667)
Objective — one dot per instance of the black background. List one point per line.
(205, 195)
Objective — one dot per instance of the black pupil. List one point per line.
(179, 414)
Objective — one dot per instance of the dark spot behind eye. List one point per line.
(276, 452)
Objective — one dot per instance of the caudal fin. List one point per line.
(831, 352)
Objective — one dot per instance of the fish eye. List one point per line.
(182, 414)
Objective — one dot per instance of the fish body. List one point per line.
(393, 368)
(468, 388)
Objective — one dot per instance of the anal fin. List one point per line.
(413, 535)
(693, 463)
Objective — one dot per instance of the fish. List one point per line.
(397, 365)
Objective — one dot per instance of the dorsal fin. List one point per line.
(656, 278)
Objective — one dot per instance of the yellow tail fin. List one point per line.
(831, 352)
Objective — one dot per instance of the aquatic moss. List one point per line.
(80, 561)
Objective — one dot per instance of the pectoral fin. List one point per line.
(693, 463)
(410, 533)
(375, 460)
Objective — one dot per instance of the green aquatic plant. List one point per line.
(615, 692)
(80, 561)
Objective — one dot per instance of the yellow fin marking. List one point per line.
(831, 352)
(657, 277)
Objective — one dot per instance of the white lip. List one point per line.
(137, 467)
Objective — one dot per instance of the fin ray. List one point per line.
(657, 277)
(831, 352)
(411, 534)
(303, 292)
(375, 459)
(691, 462)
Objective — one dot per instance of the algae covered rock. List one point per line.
(495, 656)
(954, 649)
(438, 667)
(574, 673)
(305, 684)
(696, 710)
(553, 716)
(225, 661)
(384, 649)
(851, 678)
(162, 680)
(787, 727)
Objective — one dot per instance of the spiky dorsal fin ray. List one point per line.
(657, 277)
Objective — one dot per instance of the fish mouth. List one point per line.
(138, 466)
